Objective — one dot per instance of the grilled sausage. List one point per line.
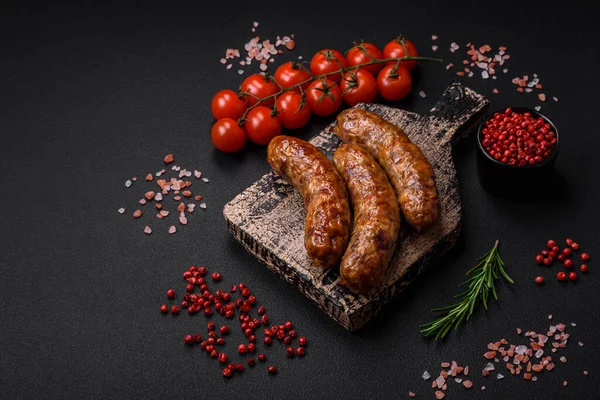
(376, 218)
(409, 172)
(327, 226)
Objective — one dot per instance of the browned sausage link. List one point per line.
(376, 218)
(327, 226)
(407, 168)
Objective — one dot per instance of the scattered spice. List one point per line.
(553, 252)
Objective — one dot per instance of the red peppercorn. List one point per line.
(303, 341)
(224, 330)
(545, 253)
(251, 338)
(300, 351)
(226, 297)
(268, 340)
(561, 276)
(272, 370)
(568, 263)
(164, 309)
(265, 319)
(171, 293)
(189, 287)
(222, 358)
(539, 280)
(261, 310)
(216, 276)
(556, 249)
(574, 246)
(248, 332)
(175, 310)
(185, 304)
(551, 243)
(242, 349)
(188, 339)
(211, 326)
(251, 347)
(287, 340)
(583, 268)
(238, 367)
(212, 334)
(202, 271)
(229, 314)
(547, 261)
(584, 256)
(233, 289)
(187, 274)
(226, 372)
(252, 299)
(566, 251)
(561, 257)
(573, 275)
(251, 362)
(210, 340)
(552, 254)
(197, 338)
(220, 341)
(280, 334)
(290, 352)
(208, 311)
(209, 347)
(288, 325)
(292, 333)
(261, 357)
(245, 292)
(539, 259)
(569, 241)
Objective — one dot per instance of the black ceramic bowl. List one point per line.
(496, 176)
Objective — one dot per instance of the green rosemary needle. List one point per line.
(480, 285)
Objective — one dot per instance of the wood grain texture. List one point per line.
(268, 217)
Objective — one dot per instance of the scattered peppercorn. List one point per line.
(216, 276)
(574, 246)
(290, 352)
(261, 357)
(539, 280)
(226, 372)
(164, 309)
(539, 259)
(272, 370)
(188, 339)
(300, 351)
(567, 251)
(251, 362)
(171, 293)
(584, 256)
(303, 341)
(175, 310)
(561, 276)
(583, 268)
(573, 275)
(568, 263)
(551, 243)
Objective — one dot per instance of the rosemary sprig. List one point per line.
(480, 285)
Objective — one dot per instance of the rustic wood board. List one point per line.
(268, 217)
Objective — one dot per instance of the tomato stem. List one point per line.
(340, 70)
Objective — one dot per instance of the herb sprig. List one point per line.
(480, 285)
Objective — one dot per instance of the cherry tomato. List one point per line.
(358, 87)
(227, 135)
(394, 49)
(260, 86)
(291, 73)
(362, 53)
(227, 104)
(326, 61)
(293, 112)
(394, 85)
(261, 125)
(324, 97)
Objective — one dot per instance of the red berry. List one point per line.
(539, 259)
(210, 348)
(251, 347)
(226, 372)
(290, 352)
(573, 275)
(268, 340)
(568, 263)
(233, 289)
(288, 325)
(574, 246)
(202, 271)
(287, 340)
(539, 280)
(547, 261)
(216, 276)
(189, 287)
(164, 309)
(211, 326)
(561, 276)
(552, 254)
(171, 293)
(242, 349)
(561, 257)
(261, 357)
(251, 362)
(303, 341)
(220, 341)
(197, 338)
(208, 311)
(551, 244)
(238, 367)
(188, 339)
(245, 292)
(224, 330)
(545, 253)
(555, 249)
(175, 310)
(584, 256)
(261, 310)
(569, 241)
(300, 351)
(583, 268)
(567, 251)
(265, 319)
(193, 268)
(272, 370)
(222, 358)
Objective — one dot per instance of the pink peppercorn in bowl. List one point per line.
(516, 146)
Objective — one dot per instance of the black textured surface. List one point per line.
(93, 95)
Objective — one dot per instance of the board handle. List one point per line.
(458, 112)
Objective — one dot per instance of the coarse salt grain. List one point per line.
(434, 37)
(172, 229)
(425, 375)
(127, 183)
(205, 180)
(121, 210)
(422, 94)
(434, 48)
(411, 394)
(147, 230)
(537, 108)
(500, 376)
(580, 344)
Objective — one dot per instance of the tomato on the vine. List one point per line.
(327, 61)
(261, 125)
(363, 52)
(290, 74)
(358, 87)
(294, 113)
(324, 97)
(227, 135)
(259, 86)
(394, 82)
(227, 104)
(395, 49)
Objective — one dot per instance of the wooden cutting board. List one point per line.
(268, 217)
